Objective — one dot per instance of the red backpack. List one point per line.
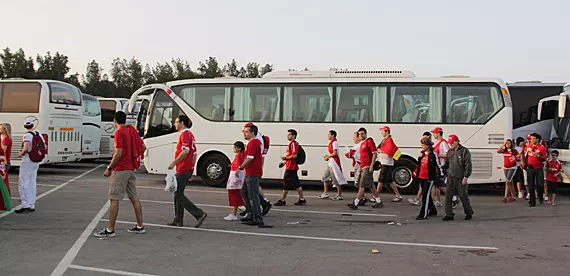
(39, 150)
(265, 144)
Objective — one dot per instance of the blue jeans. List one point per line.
(250, 195)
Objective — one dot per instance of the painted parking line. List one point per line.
(110, 271)
(280, 210)
(285, 236)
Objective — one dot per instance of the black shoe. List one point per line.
(541, 201)
(266, 208)
(378, 205)
(261, 225)
(32, 210)
(468, 217)
(448, 218)
(352, 206)
(531, 205)
(246, 218)
(280, 203)
(432, 213)
(201, 220)
(175, 223)
(243, 213)
(22, 211)
(301, 202)
(420, 218)
(251, 223)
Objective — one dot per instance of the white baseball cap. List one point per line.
(28, 122)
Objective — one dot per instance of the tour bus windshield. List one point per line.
(91, 106)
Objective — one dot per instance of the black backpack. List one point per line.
(301, 156)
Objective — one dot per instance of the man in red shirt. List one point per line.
(253, 166)
(185, 160)
(291, 179)
(367, 159)
(122, 179)
(534, 163)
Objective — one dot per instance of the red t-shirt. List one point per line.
(424, 167)
(122, 141)
(553, 170)
(186, 141)
(238, 160)
(7, 142)
(253, 150)
(291, 164)
(366, 149)
(532, 160)
(510, 158)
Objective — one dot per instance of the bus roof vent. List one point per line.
(341, 74)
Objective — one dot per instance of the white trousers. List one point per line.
(27, 184)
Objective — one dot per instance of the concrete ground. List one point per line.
(322, 238)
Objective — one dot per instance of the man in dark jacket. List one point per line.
(458, 167)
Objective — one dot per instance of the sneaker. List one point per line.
(103, 234)
(454, 204)
(420, 218)
(448, 218)
(372, 200)
(22, 211)
(352, 206)
(468, 217)
(438, 204)
(231, 217)
(527, 196)
(246, 218)
(265, 208)
(243, 213)
(175, 223)
(241, 209)
(512, 199)
(504, 200)
(520, 195)
(301, 202)
(137, 230)
(378, 205)
(413, 201)
(546, 198)
(397, 199)
(201, 220)
(280, 203)
(554, 204)
(338, 198)
(324, 196)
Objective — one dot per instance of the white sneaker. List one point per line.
(372, 200)
(528, 196)
(323, 196)
(414, 201)
(231, 217)
(520, 195)
(438, 204)
(545, 198)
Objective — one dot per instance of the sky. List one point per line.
(513, 40)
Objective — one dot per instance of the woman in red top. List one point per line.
(511, 156)
(235, 183)
(6, 141)
(426, 172)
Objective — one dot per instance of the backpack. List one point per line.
(265, 144)
(38, 151)
(301, 156)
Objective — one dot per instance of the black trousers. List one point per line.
(535, 179)
(427, 202)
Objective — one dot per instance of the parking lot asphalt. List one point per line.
(322, 238)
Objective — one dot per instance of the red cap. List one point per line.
(386, 128)
(452, 138)
(529, 136)
(246, 125)
(437, 129)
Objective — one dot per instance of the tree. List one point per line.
(252, 70)
(182, 70)
(16, 65)
(231, 69)
(242, 73)
(210, 69)
(148, 76)
(93, 77)
(163, 72)
(135, 76)
(265, 69)
(74, 80)
(52, 67)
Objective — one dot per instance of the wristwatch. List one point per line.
(109, 168)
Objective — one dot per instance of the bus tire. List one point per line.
(403, 177)
(214, 170)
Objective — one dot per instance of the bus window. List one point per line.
(212, 102)
(64, 94)
(108, 108)
(307, 104)
(91, 106)
(259, 104)
(163, 113)
(365, 104)
(141, 118)
(23, 97)
(472, 105)
(416, 104)
(549, 110)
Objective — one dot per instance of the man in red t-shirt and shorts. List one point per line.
(367, 159)
(291, 178)
(122, 175)
(185, 160)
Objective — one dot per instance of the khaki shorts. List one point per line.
(121, 182)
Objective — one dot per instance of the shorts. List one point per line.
(121, 182)
(329, 176)
(439, 181)
(357, 173)
(291, 180)
(386, 174)
(519, 176)
(235, 198)
(552, 187)
(365, 179)
(510, 173)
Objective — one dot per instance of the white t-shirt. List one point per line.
(28, 137)
(519, 150)
(356, 149)
(443, 149)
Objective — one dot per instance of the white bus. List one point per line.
(528, 116)
(479, 111)
(56, 109)
(91, 132)
(136, 116)
(108, 108)
(560, 136)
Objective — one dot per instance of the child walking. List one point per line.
(553, 175)
(235, 183)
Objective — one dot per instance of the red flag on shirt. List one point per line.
(389, 147)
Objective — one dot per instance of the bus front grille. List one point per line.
(482, 163)
(105, 147)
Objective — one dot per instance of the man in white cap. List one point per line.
(28, 169)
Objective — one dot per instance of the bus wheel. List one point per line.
(214, 170)
(402, 175)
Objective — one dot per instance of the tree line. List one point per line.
(124, 76)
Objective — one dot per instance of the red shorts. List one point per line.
(235, 198)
